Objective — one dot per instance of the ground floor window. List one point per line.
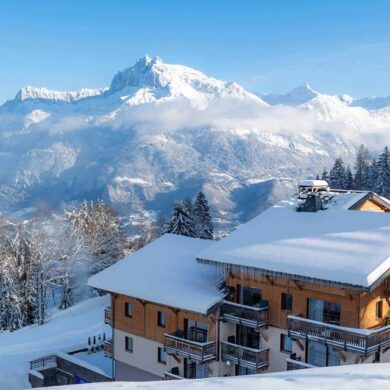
(244, 370)
(194, 370)
(129, 344)
(162, 356)
(285, 343)
(320, 355)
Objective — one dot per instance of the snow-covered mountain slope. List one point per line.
(297, 96)
(161, 132)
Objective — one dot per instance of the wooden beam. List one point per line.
(300, 345)
(342, 356)
(175, 357)
(270, 281)
(264, 336)
(348, 294)
(297, 284)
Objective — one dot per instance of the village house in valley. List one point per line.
(306, 283)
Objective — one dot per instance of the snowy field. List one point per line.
(357, 377)
(66, 331)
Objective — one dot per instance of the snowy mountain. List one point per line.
(297, 96)
(161, 132)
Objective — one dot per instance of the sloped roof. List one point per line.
(166, 272)
(337, 245)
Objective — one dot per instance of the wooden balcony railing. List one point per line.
(253, 317)
(108, 350)
(201, 352)
(169, 376)
(364, 341)
(293, 364)
(244, 356)
(108, 316)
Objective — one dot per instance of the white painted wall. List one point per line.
(144, 354)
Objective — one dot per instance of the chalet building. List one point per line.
(304, 284)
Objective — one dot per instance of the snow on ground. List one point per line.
(357, 377)
(66, 331)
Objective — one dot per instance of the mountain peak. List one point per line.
(145, 72)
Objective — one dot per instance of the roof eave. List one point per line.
(262, 271)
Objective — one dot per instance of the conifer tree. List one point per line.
(348, 179)
(362, 164)
(338, 175)
(383, 171)
(181, 222)
(325, 175)
(202, 218)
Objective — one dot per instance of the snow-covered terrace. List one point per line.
(336, 245)
(165, 272)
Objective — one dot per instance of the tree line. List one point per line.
(369, 173)
(47, 260)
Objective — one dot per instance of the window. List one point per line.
(320, 355)
(379, 309)
(128, 309)
(161, 356)
(129, 344)
(324, 311)
(161, 319)
(287, 301)
(285, 343)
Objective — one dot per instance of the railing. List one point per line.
(201, 352)
(364, 341)
(108, 316)
(43, 363)
(244, 356)
(169, 376)
(293, 364)
(108, 350)
(253, 317)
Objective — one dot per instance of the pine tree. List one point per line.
(373, 176)
(349, 179)
(383, 169)
(202, 218)
(325, 175)
(181, 222)
(338, 175)
(362, 164)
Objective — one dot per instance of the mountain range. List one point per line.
(161, 132)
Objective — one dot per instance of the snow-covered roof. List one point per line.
(334, 245)
(166, 272)
(313, 183)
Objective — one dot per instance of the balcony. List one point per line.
(293, 364)
(253, 317)
(364, 341)
(108, 350)
(202, 352)
(108, 316)
(244, 356)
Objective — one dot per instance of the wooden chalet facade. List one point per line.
(257, 319)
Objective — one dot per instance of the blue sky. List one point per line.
(267, 46)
